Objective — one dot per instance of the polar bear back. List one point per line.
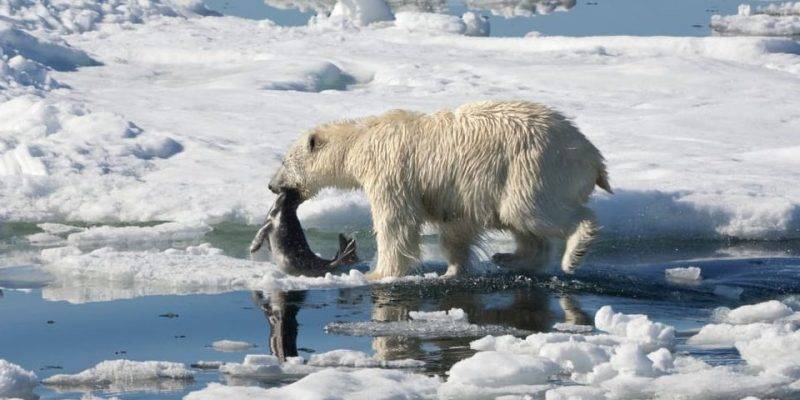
(489, 163)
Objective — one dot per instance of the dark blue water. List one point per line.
(585, 18)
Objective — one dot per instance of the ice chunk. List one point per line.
(374, 384)
(726, 335)
(16, 381)
(637, 328)
(475, 24)
(768, 311)
(454, 314)
(115, 373)
(358, 359)
(496, 373)
(431, 23)
(770, 20)
(688, 274)
(568, 327)
(231, 345)
(773, 351)
(254, 366)
(575, 393)
(361, 12)
(207, 365)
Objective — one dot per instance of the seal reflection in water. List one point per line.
(285, 238)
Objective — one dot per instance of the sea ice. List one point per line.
(105, 274)
(769, 20)
(123, 373)
(373, 384)
(636, 328)
(138, 235)
(680, 275)
(16, 381)
(231, 345)
(358, 359)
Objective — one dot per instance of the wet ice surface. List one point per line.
(69, 337)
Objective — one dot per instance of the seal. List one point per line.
(285, 238)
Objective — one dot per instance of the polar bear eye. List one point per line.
(312, 142)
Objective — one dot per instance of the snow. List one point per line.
(116, 373)
(15, 381)
(178, 127)
(231, 345)
(470, 24)
(683, 275)
(361, 12)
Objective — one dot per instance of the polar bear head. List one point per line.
(318, 159)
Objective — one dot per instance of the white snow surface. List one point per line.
(191, 128)
(630, 358)
(16, 381)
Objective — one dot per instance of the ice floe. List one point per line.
(15, 381)
(106, 274)
(125, 375)
(231, 345)
(377, 384)
(422, 324)
(138, 235)
(684, 274)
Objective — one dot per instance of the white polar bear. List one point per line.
(510, 165)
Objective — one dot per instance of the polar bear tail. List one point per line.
(578, 244)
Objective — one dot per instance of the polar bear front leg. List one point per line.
(398, 236)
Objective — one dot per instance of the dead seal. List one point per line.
(284, 235)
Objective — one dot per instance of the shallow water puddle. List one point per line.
(67, 326)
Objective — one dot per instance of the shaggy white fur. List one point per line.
(510, 165)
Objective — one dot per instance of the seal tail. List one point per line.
(347, 251)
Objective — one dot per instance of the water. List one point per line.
(517, 18)
(52, 337)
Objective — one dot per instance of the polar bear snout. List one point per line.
(278, 182)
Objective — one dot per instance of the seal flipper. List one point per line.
(347, 251)
(261, 237)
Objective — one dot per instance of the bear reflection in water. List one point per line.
(530, 309)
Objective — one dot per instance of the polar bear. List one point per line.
(515, 166)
